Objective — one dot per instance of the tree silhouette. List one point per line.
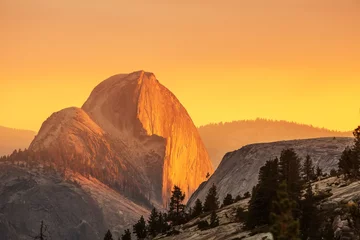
(263, 195)
(108, 236)
(140, 228)
(126, 235)
(228, 200)
(211, 201)
(214, 219)
(308, 170)
(177, 209)
(284, 226)
(289, 171)
(153, 223)
(198, 208)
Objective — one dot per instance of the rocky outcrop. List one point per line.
(238, 171)
(134, 129)
(229, 227)
(73, 208)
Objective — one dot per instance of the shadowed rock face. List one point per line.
(137, 130)
(77, 208)
(238, 171)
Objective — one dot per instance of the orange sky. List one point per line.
(225, 60)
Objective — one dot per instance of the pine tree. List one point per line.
(284, 226)
(318, 171)
(177, 208)
(108, 236)
(289, 171)
(347, 162)
(308, 170)
(126, 235)
(214, 219)
(263, 195)
(309, 221)
(153, 223)
(211, 200)
(140, 228)
(198, 208)
(228, 200)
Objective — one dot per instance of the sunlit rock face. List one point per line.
(143, 116)
(71, 140)
(131, 131)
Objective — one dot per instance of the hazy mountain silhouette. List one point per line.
(11, 139)
(220, 138)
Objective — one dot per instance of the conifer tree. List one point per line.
(347, 162)
(140, 228)
(289, 171)
(284, 226)
(211, 201)
(318, 171)
(108, 236)
(228, 200)
(177, 208)
(308, 170)
(126, 235)
(309, 221)
(214, 219)
(198, 208)
(263, 195)
(153, 223)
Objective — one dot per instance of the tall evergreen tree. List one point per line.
(126, 235)
(198, 208)
(228, 200)
(309, 221)
(176, 212)
(263, 195)
(289, 171)
(347, 162)
(284, 226)
(153, 223)
(212, 200)
(308, 170)
(108, 236)
(140, 228)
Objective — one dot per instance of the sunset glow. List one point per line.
(225, 61)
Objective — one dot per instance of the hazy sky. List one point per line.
(296, 60)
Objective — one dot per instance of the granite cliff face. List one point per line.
(238, 171)
(144, 116)
(135, 130)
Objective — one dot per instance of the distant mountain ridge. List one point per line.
(220, 138)
(11, 139)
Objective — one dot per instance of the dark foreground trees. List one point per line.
(212, 200)
(284, 226)
(263, 195)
